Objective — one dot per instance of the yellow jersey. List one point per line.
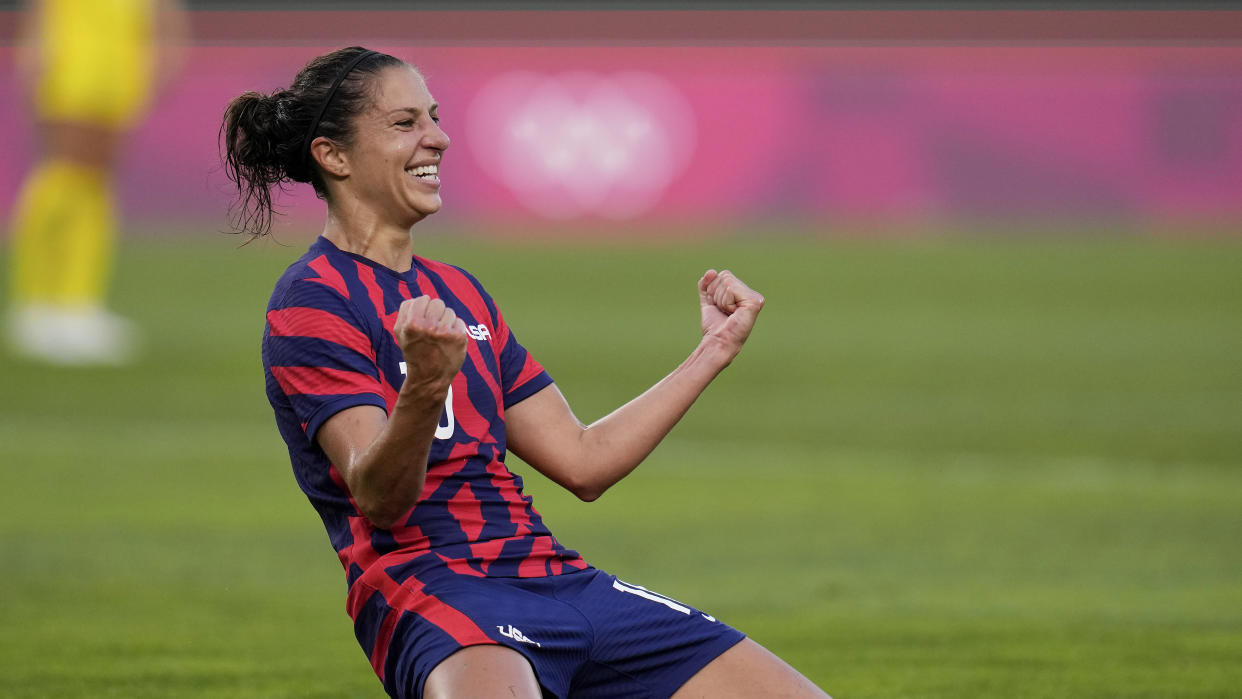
(96, 60)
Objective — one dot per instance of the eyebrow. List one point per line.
(435, 106)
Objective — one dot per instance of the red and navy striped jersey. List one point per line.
(328, 345)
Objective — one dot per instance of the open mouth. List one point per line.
(428, 173)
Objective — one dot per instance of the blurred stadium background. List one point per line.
(986, 441)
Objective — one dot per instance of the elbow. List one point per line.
(383, 502)
(380, 518)
(588, 494)
(589, 484)
(587, 491)
(385, 513)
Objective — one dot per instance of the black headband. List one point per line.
(310, 133)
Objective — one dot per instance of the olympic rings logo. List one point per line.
(580, 143)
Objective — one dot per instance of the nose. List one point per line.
(436, 138)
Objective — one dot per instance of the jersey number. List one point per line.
(447, 424)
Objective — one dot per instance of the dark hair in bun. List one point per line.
(265, 138)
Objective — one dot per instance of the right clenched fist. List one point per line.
(432, 340)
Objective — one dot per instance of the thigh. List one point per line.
(438, 622)
(645, 644)
(748, 670)
(483, 671)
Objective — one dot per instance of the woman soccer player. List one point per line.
(399, 388)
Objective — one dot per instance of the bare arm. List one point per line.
(587, 460)
(383, 458)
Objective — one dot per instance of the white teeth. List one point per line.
(424, 170)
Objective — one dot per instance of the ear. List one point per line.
(331, 157)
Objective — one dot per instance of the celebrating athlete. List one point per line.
(399, 389)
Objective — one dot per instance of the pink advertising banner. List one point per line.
(823, 135)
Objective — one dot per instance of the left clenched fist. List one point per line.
(728, 308)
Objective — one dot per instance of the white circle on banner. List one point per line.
(581, 143)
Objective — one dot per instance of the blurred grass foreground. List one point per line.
(943, 468)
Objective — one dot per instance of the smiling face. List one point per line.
(394, 157)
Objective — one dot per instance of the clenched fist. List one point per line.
(432, 340)
(728, 308)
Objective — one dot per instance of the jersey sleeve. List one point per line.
(520, 375)
(319, 355)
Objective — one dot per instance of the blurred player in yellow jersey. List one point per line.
(90, 68)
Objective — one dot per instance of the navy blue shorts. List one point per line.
(585, 633)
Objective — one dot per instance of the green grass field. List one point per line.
(942, 468)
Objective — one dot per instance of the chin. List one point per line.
(422, 213)
(424, 207)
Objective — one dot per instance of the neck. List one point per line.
(391, 246)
